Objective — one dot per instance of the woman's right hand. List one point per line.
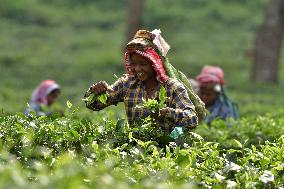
(99, 87)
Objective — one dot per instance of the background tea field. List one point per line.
(80, 42)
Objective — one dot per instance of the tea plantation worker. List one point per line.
(148, 70)
(43, 97)
(212, 93)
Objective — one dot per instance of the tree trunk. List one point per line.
(135, 17)
(268, 44)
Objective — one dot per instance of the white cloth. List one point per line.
(160, 43)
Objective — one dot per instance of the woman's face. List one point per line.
(208, 95)
(142, 67)
(51, 97)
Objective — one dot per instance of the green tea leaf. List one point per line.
(69, 104)
(75, 134)
(162, 95)
(91, 99)
(238, 143)
(103, 98)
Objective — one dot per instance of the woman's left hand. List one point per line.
(163, 112)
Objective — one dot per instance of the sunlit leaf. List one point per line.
(69, 104)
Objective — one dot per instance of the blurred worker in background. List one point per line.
(43, 97)
(212, 93)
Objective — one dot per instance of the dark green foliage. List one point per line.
(44, 151)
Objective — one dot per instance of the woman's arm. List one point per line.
(181, 110)
(114, 93)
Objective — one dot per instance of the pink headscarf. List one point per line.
(146, 49)
(211, 74)
(156, 61)
(43, 90)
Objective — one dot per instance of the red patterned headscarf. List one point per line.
(43, 90)
(151, 46)
(211, 75)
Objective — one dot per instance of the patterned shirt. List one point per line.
(179, 109)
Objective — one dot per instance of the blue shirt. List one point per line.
(37, 108)
(220, 109)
